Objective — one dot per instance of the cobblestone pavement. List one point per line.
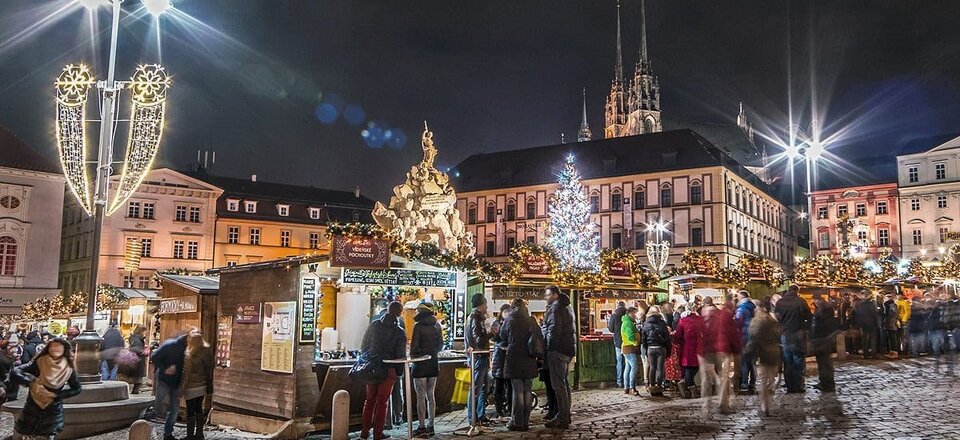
(883, 399)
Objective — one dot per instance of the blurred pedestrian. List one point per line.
(502, 391)
(110, 347)
(168, 362)
(560, 335)
(656, 338)
(613, 325)
(824, 330)
(917, 326)
(478, 339)
(384, 340)
(524, 339)
(951, 322)
(720, 342)
(746, 310)
(794, 316)
(764, 346)
(197, 382)
(936, 330)
(137, 345)
(866, 318)
(903, 310)
(890, 328)
(31, 344)
(688, 337)
(630, 347)
(51, 377)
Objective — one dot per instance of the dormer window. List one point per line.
(233, 205)
(283, 210)
(250, 207)
(315, 213)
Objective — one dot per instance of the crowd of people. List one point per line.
(43, 365)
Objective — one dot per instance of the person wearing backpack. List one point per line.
(561, 344)
(383, 340)
(524, 343)
(656, 337)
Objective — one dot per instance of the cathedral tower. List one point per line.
(584, 134)
(633, 108)
(615, 114)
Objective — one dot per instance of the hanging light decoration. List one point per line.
(72, 85)
(658, 252)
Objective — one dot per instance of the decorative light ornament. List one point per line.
(149, 92)
(72, 86)
(658, 252)
(156, 8)
(571, 234)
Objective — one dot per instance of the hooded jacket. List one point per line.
(558, 329)
(746, 310)
(427, 340)
(614, 323)
(689, 337)
(515, 333)
(720, 334)
(170, 354)
(629, 335)
(385, 338)
(655, 332)
(112, 344)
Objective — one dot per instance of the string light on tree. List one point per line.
(571, 233)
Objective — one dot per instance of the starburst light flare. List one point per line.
(572, 234)
(149, 92)
(72, 85)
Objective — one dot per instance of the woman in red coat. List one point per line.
(687, 338)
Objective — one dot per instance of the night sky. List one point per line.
(283, 88)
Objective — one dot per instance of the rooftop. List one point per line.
(16, 154)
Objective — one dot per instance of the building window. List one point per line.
(147, 247)
(861, 209)
(915, 204)
(283, 210)
(149, 210)
(511, 211)
(285, 238)
(824, 240)
(9, 202)
(616, 240)
(841, 210)
(531, 208)
(594, 204)
(490, 247)
(666, 196)
(178, 249)
(913, 174)
(942, 234)
(194, 214)
(128, 281)
(861, 235)
(822, 213)
(472, 215)
(250, 207)
(233, 205)
(917, 237)
(696, 236)
(181, 213)
(143, 282)
(193, 250)
(639, 199)
(491, 212)
(883, 237)
(616, 201)
(639, 240)
(254, 235)
(696, 194)
(941, 170)
(941, 201)
(8, 255)
(881, 208)
(314, 240)
(233, 234)
(314, 213)
(231, 263)
(133, 209)
(511, 242)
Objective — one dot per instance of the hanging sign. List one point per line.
(360, 252)
(308, 310)
(277, 344)
(620, 269)
(511, 292)
(247, 313)
(535, 265)
(224, 335)
(184, 304)
(400, 277)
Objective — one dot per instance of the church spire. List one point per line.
(584, 134)
(619, 67)
(643, 32)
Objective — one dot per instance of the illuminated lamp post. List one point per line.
(148, 88)
(658, 252)
(810, 151)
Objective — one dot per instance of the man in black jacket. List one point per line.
(109, 349)
(478, 338)
(823, 341)
(865, 317)
(383, 340)
(561, 341)
(794, 316)
(614, 324)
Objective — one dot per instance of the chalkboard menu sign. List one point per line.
(583, 317)
(400, 277)
(308, 310)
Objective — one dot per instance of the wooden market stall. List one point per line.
(187, 302)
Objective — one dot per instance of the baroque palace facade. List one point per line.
(708, 200)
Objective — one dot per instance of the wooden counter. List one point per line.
(597, 361)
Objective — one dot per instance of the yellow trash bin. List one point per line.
(461, 389)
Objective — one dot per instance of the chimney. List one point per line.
(356, 191)
(253, 178)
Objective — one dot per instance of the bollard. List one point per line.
(141, 430)
(841, 346)
(340, 426)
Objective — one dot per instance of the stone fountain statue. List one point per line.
(423, 209)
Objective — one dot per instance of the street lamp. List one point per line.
(658, 252)
(148, 88)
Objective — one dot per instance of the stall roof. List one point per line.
(295, 260)
(138, 293)
(202, 284)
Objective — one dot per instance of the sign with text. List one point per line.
(184, 304)
(535, 265)
(435, 202)
(511, 292)
(277, 344)
(224, 335)
(247, 313)
(400, 277)
(620, 269)
(360, 252)
(308, 310)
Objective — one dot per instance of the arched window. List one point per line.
(8, 255)
(696, 193)
(594, 202)
(472, 213)
(491, 212)
(511, 210)
(616, 200)
(639, 197)
(648, 125)
(531, 207)
(666, 195)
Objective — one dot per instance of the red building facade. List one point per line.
(860, 220)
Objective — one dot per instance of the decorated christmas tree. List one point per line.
(571, 234)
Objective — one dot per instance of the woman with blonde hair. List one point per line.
(197, 382)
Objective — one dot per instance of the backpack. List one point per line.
(536, 346)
